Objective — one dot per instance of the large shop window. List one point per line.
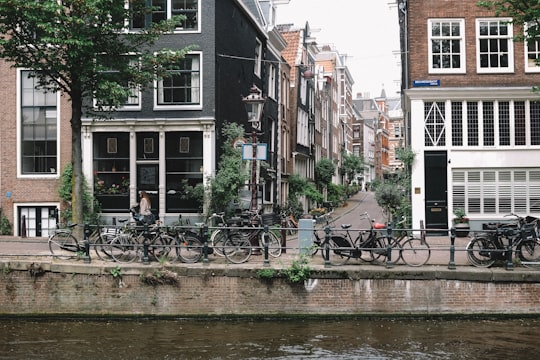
(184, 170)
(39, 121)
(497, 191)
(111, 171)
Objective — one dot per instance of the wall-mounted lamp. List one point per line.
(306, 71)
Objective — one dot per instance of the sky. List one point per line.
(367, 31)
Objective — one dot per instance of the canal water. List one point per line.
(270, 339)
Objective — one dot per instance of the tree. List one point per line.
(522, 12)
(80, 48)
(352, 165)
(324, 171)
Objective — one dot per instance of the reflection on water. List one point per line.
(269, 339)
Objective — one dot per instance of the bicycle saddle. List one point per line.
(377, 225)
(345, 226)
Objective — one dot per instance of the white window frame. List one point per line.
(257, 68)
(508, 37)
(169, 15)
(531, 68)
(197, 106)
(461, 38)
(272, 72)
(136, 91)
(43, 175)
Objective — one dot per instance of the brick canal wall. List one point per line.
(53, 289)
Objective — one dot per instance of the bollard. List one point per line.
(146, 259)
(265, 243)
(284, 235)
(389, 249)
(204, 236)
(86, 243)
(509, 255)
(452, 263)
(327, 246)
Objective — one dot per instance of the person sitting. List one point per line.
(142, 213)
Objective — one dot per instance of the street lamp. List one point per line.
(254, 103)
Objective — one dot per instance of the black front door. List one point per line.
(436, 191)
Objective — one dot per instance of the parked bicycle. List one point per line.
(64, 245)
(413, 251)
(134, 239)
(519, 236)
(287, 217)
(188, 246)
(237, 237)
(340, 246)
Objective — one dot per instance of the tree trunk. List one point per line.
(76, 159)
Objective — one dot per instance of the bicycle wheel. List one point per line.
(237, 249)
(189, 249)
(63, 245)
(382, 255)
(415, 252)
(378, 251)
(479, 251)
(102, 246)
(529, 252)
(124, 248)
(217, 240)
(160, 248)
(274, 243)
(339, 250)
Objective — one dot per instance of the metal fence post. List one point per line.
(509, 252)
(326, 246)
(452, 263)
(146, 259)
(87, 243)
(265, 244)
(389, 246)
(203, 233)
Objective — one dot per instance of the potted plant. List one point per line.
(461, 222)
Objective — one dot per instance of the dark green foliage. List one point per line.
(90, 205)
(231, 174)
(299, 271)
(394, 193)
(5, 226)
(324, 171)
(193, 193)
(352, 165)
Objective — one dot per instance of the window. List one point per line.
(488, 123)
(434, 124)
(446, 46)
(258, 58)
(494, 46)
(272, 81)
(496, 191)
(532, 55)
(183, 85)
(132, 99)
(457, 123)
(39, 122)
(165, 9)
